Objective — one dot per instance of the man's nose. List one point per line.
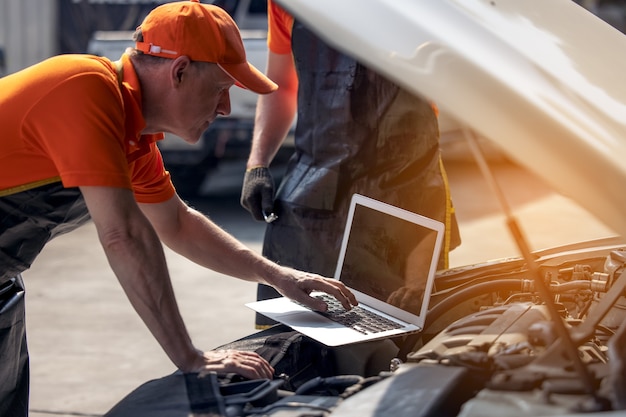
(223, 106)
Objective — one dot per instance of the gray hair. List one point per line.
(139, 55)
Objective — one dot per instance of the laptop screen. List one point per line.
(388, 257)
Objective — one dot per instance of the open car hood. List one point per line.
(541, 79)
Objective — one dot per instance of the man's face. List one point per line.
(201, 96)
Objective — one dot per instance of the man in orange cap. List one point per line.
(78, 143)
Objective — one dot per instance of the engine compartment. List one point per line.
(491, 346)
(499, 352)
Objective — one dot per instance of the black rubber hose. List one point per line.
(467, 293)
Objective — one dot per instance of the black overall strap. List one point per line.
(29, 219)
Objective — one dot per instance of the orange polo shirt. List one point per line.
(69, 119)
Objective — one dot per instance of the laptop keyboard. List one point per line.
(359, 319)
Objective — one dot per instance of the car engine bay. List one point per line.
(491, 346)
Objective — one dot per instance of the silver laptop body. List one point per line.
(388, 258)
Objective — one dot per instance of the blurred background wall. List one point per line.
(33, 30)
(28, 33)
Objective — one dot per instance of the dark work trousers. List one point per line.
(28, 220)
(14, 371)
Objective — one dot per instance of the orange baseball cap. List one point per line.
(205, 33)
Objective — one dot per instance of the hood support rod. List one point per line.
(567, 343)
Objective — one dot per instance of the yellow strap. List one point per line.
(29, 186)
(448, 219)
(119, 68)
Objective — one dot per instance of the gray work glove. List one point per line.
(257, 194)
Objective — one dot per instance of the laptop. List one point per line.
(388, 259)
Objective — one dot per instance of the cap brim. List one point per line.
(249, 77)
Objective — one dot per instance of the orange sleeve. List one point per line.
(151, 183)
(279, 28)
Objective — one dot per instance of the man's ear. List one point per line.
(179, 69)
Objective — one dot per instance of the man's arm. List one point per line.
(136, 256)
(275, 112)
(274, 115)
(191, 234)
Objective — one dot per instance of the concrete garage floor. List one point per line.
(89, 349)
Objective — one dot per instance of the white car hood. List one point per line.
(543, 79)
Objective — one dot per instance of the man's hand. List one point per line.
(257, 193)
(247, 364)
(297, 285)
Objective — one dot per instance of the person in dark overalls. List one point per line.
(356, 132)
